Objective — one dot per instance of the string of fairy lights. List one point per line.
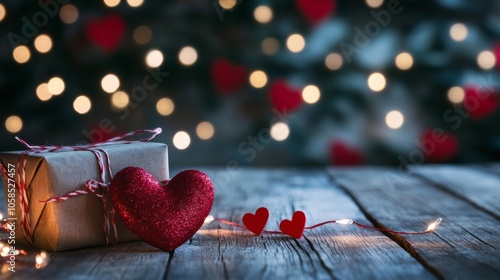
(188, 56)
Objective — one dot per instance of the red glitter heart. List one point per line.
(227, 77)
(284, 98)
(295, 227)
(256, 223)
(164, 216)
(107, 32)
(316, 10)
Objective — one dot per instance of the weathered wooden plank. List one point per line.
(132, 260)
(466, 245)
(469, 183)
(334, 251)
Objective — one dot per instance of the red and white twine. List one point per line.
(98, 188)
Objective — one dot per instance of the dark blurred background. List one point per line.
(265, 83)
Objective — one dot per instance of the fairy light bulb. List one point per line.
(344, 221)
(41, 260)
(434, 225)
(208, 219)
(5, 251)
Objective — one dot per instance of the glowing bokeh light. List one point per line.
(394, 119)
(456, 95)
(3, 12)
(205, 130)
(486, 60)
(311, 94)
(165, 106)
(142, 34)
(295, 43)
(68, 14)
(181, 140)
(43, 43)
(376, 82)
(135, 3)
(258, 79)
(374, 3)
(13, 124)
(270, 46)
(110, 83)
(188, 56)
(154, 58)
(458, 32)
(111, 3)
(82, 104)
(42, 92)
(56, 85)
(227, 4)
(21, 54)
(280, 131)
(334, 61)
(263, 14)
(120, 99)
(404, 61)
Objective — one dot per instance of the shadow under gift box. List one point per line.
(78, 221)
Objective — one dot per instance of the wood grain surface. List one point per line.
(465, 246)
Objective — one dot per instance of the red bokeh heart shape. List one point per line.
(438, 149)
(344, 155)
(295, 227)
(256, 223)
(480, 102)
(164, 216)
(285, 98)
(107, 32)
(316, 10)
(227, 77)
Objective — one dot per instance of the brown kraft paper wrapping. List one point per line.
(78, 221)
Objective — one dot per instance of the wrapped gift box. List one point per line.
(78, 221)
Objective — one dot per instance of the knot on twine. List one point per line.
(101, 190)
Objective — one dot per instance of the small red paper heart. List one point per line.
(163, 216)
(107, 32)
(480, 102)
(256, 223)
(344, 155)
(295, 227)
(284, 98)
(227, 77)
(438, 148)
(316, 10)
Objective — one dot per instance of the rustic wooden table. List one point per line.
(465, 246)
